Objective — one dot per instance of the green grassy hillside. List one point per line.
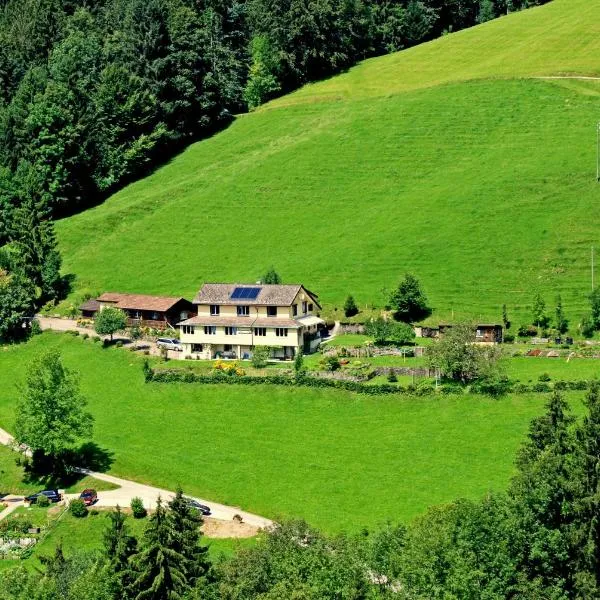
(447, 160)
(339, 460)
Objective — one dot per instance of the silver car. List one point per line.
(169, 344)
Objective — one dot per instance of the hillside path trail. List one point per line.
(131, 489)
(580, 77)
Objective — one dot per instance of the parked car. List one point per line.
(89, 496)
(169, 344)
(201, 508)
(52, 495)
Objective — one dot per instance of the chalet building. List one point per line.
(232, 319)
(158, 312)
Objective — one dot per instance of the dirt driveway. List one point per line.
(58, 324)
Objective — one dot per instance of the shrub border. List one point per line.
(488, 389)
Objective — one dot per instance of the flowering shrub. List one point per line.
(229, 368)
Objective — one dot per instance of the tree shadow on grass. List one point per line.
(64, 471)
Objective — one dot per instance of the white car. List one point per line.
(169, 344)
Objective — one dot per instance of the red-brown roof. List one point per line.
(139, 301)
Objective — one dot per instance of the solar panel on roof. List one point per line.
(244, 293)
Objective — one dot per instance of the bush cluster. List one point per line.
(137, 508)
(78, 508)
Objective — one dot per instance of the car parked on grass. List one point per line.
(52, 495)
(169, 344)
(201, 508)
(89, 496)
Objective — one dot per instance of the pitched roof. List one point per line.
(90, 305)
(139, 301)
(242, 322)
(269, 294)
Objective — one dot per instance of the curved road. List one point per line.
(130, 489)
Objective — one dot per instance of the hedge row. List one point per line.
(491, 389)
(180, 376)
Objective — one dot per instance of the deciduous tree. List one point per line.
(460, 359)
(51, 411)
(109, 321)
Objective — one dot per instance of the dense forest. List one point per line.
(95, 92)
(539, 540)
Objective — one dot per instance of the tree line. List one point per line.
(95, 92)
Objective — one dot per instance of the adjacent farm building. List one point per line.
(158, 312)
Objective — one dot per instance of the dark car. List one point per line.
(52, 495)
(201, 508)
(88, 496)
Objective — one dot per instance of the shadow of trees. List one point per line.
(64, 470)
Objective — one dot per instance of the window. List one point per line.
(189, 329)
(260, 331)
(281, 332)
(310, 307)
(271, 311)
(230, 330)
(197, 348)
(215, 310)
(479, 334)
(227, 348)
(295, 309)
(210, 330)
(243, 311)
(154, 316)
(304, 306)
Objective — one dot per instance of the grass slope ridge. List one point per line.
(485, 189)
(559, 38)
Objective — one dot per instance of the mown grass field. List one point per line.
(448, 160)
(341, 461)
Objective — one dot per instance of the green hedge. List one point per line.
(180, 376)
(496, 388)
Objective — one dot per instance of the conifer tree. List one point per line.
(588, 506)
(32, 233)
(186, 536)
(543, 495)
(119, 546)
(158, 569)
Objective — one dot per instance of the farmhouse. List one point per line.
(234, 318)
(158, 312)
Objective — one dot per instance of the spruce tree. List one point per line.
(33, 235)
(186, 537)
(350, 308)
(119, 546)
(408, 301)
(588, 507)
(158, 569)
(562, 324)
(543, 496)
